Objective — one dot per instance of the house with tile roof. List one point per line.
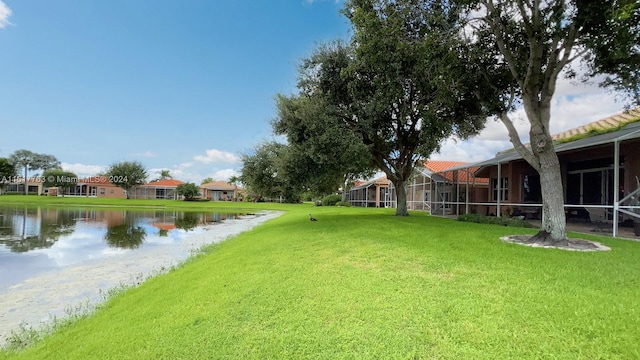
(600, 168)
(436, 189)
(371, 193)
(221, 191)
(35, 186)
(431, 189)
(160, 189)
(91, 186)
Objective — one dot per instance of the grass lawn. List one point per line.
(364, 284)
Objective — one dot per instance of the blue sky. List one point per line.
(180, 85)
(186, 86)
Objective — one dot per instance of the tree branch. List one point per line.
(517, 143)
(493, 20)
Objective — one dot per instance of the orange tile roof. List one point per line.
(439, 166)
(165, 183)
(164, 226)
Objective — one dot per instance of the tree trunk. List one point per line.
(401, 197)
(553, 228)
(26, 183)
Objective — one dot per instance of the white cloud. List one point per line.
(178, 172)
(217, 156)
(82, 170)
(146, 154)
(574, 104)
(5, 13)
(225, 174)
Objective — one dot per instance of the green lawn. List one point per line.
(364, 284)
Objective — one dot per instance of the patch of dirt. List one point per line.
(570, 244)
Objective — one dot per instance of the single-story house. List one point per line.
(92, 186)
(161, 189)
(35, 186)
(437, 191)
(430, 189)
(220, 191)
(600, 168)
(371, 193)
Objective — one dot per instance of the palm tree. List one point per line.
(234, 180)
(164, 175)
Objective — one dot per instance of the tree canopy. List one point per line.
(164, 175)
(59, 178)
(265, 176)
(127, 174)
(188, 190)
(398, 87)
(7, 172)
(517, 50)
(321, 155)
(28, 160)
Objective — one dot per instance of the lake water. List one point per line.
(54, 258)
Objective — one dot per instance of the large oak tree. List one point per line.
(397, 86)
(520, 48)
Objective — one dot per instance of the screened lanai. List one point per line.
(597, 189)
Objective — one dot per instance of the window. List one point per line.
(504, 189)
(531, 191)
(102, 192)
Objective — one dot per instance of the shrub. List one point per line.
(504, 221)
(343, 203)
(331, 200)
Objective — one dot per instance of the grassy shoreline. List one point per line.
(46, 201)
(362, 283)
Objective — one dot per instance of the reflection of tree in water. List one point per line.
(62, 222)
(45, 228)
(127, 235)
(187, 220)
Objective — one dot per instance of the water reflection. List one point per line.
(36, 240)
(23, 229)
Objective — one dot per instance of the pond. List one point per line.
(54, 258)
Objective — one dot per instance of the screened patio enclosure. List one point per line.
(597, 188)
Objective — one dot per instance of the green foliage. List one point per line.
(29, 160)
(187, 221)
(331, 200)
(128, 235)
(206, 180)
(7, 171)
(321, 153)
(265, 175)
(504, 221)
(188, 190)
(127, 174)
(59, 178)
(517, 50)
(343, 203)
(398, 87)
(164, 175)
